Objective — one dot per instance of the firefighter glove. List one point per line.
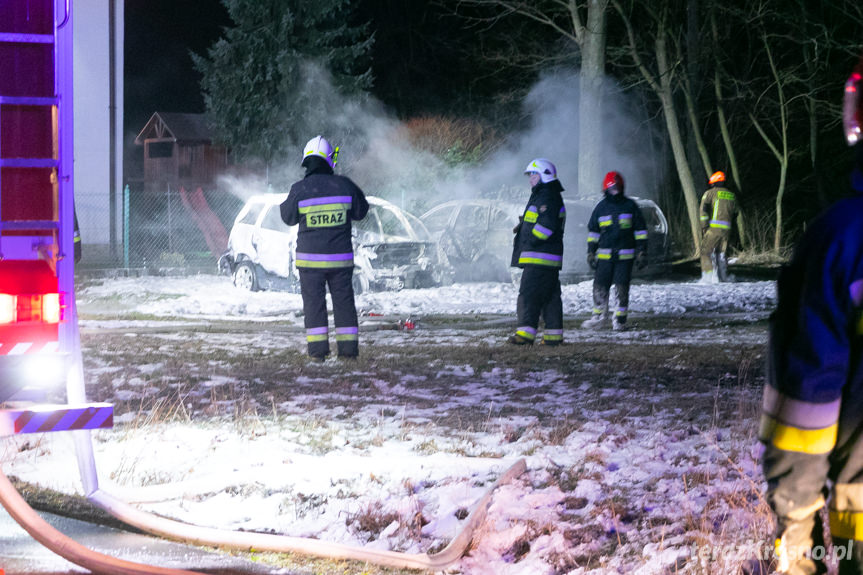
(518, 225)
(641, 260)
(591, 260)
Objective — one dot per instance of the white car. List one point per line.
(477, 235)
(392, 249)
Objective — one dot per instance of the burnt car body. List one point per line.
(477, 235)
(392, 249)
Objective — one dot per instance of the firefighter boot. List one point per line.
(799, 547)
(596, 321)
(519, 340)
(709, 277)
(552, 337)
(618, 323)
(722, 269)
(600, 308)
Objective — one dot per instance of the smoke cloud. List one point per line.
(376, 152)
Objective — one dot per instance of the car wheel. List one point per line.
(245, 277)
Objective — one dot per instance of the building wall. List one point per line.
(98, 195)
(159, 170)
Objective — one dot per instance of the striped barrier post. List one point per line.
(47, 418)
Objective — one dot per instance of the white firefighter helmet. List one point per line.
(319, 146)
(546, 170)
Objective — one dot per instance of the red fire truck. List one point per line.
(39, 343)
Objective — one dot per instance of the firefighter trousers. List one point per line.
(539, 295)
(612, 272)
(313, 285)
(714, 244)
(797, 484)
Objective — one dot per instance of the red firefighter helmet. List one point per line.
(613, 180)
(716, 178)
(852, 110)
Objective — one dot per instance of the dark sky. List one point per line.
(159, 74)
(424, 60)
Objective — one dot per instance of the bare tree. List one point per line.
(724, 129)
(778, 143)
(784, 81)
(583, 23)
(662, 82)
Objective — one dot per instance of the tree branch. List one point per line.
(530, 11)
(648, 77)
(765, 137)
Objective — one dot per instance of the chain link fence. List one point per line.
(175, 229)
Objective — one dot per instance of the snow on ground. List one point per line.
(209, 298)
(316, 471)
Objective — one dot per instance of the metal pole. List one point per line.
(126, 227)
(170, 226)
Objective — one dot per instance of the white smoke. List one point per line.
(552, 133)
(376, 151)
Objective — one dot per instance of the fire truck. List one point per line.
(39, 340)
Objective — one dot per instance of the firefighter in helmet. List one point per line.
(718, 209)
(324, 204)
(616, 239)
(812, 423)
(538, 249)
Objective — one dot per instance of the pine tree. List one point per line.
(270, 81)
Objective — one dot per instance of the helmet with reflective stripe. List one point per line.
(717, 178)
(612, 181)
(852, 109)
(546, 170)
(318, 146)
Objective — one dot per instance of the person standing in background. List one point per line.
(718, 210)
(538, 249)
(616, 239)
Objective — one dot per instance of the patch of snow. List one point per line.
(639, 486)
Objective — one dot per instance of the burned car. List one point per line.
(392, 249)
(477, 234)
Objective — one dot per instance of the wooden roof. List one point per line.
(181, 128)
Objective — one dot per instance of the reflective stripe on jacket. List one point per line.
(616, 228)
(324, 204)
(539, 240)
(718, 208)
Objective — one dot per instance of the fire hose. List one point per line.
(176, 530)
(96, 562)
(65, 547)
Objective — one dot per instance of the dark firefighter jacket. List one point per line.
(539, 240)
(718, 208)
(616, 227)
(323, 204)
(813, 400)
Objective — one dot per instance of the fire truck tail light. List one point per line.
(43, 308)
(7, 308)
(51, 308)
